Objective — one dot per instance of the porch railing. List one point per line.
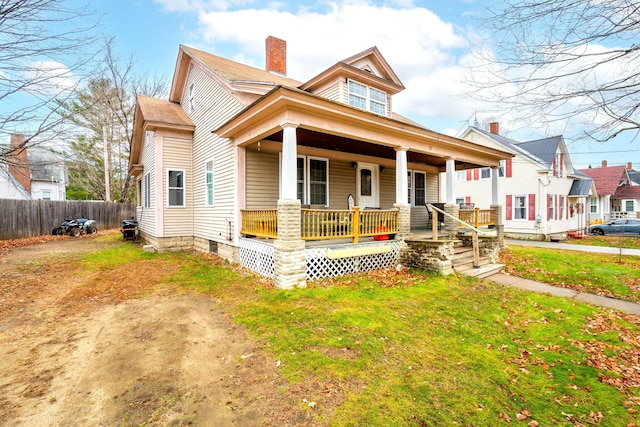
(320, 224)
(477, 217)
(260, 223)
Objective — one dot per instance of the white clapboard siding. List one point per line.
(147, 216)
(213, 107)
(262, 180)
(177, 155)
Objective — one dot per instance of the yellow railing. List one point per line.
(323, 224)
(477, 217)
(262, 223)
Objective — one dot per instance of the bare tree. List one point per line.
(45, 46)
(561, 60)
(102, 114)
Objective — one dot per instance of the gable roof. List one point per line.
(46, 165)
(351, 68)
(544, 149)
(228, 72)
(606, 179)
(509, 144)
(4, 173)
(627, 192)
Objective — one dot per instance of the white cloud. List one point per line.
(50, 78)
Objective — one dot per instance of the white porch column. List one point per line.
(450, 181)
(402, 183)
(495, 188)
(288, 176)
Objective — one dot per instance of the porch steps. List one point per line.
(462, 263)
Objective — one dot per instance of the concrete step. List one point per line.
(483, 271)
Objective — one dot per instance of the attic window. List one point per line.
(367, 98)
(367, 69)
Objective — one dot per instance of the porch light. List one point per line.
(383, 169)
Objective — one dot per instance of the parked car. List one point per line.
(618, 226)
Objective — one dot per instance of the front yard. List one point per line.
(385, 348)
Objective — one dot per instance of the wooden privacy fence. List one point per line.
(28, 218)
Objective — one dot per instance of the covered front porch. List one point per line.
(326, 171)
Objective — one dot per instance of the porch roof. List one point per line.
(335, 126)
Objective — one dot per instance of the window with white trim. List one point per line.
(501, 168)
(367, 98)
(629, 205)
(176, 188)
(300, 175)
(551, 207)
(192, 98)
(46, 195)
(461, 176)
(208, 180)
(147, 190)
(459, 201)
(520, 207)
(593, 204)
(485, 173)
(318, 181)
(420, 188)
(561, 204)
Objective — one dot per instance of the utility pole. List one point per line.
(107, 187)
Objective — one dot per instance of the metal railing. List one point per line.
(321, 224)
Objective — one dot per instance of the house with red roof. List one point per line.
(616, 195)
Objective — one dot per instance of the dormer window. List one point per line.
(367, 98)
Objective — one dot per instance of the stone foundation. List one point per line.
(489, 246)
(430, 255)
(168, 244)
(224, 250)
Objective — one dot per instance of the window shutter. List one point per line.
(566, 208)
(561, 163)
(557, 209)
(508, 166)
(469, 176)
(532, 207)
(467, 199)
(509, 205)
(476, 174)
(553, 166)
(549, 204)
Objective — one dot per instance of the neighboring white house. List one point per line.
(542, 196)
(616, 194)
(32, 173)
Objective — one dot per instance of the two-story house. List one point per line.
(543, 197)
(274, 172)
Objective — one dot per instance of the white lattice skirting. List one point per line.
(324, 261)
(338, 260)
(257, 256)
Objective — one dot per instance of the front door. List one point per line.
(367, 182)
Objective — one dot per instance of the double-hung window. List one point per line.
(593, 205)
(551, 206)
(520, 207)
(561, 203)
(312, 176)
(176, 188)
(192, 98)
(146, 190)
(485, 173)
(208, 172)
(367, 98)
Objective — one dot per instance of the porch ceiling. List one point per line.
(309, 138)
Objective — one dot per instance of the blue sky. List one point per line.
(427, 43)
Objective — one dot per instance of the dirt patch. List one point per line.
(91, 347)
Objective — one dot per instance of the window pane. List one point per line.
(357, 101)
(300, 179)
(318, 170)
(485, 173)
(629, 205)
(409, 186)
(318, 194)
(175, 179)
(357, 88)
(378, 95)
(365, 182)
(420, 188)
(175, 197)
(520, 207)
(378, 108)
(317, 182)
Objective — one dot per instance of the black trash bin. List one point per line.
(129, 229)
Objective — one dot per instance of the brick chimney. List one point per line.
(630, 166)
(494, 127)
(18, 161)
(604, 163)
(276, 55)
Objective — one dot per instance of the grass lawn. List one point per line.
(628, 242)
(603, 274)
(391, 348)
